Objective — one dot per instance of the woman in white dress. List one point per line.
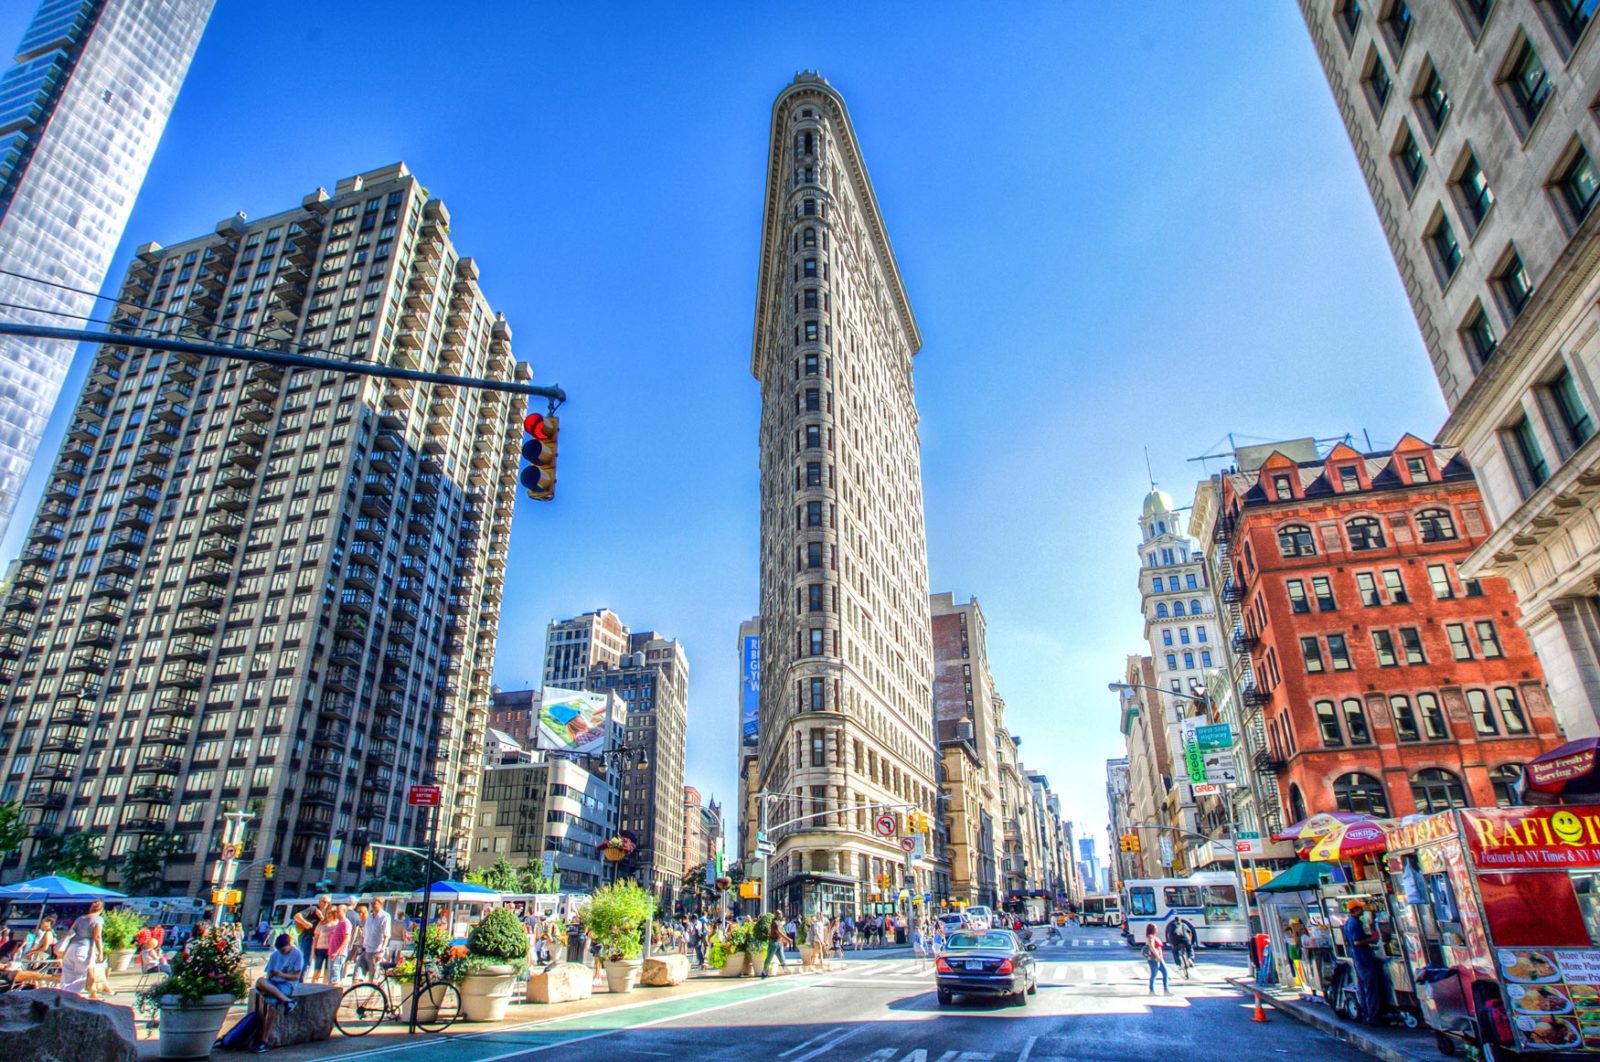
(86, 947)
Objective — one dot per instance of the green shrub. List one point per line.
(615, 917)
(497, 940)
(120, 926)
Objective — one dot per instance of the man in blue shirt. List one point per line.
(275, 991)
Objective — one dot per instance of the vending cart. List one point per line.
(1499, 911)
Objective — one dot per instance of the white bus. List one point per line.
(1101, 909)
(1209, 900)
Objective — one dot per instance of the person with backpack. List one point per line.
(1154, 952)
(1181, 938)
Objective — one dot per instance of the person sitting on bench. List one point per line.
(275, 991)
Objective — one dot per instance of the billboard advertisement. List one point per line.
(750, 690)
(572, 721)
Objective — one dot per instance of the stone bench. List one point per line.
(665, 970)
(46, 1023)
(560, 982)
(312, 1018)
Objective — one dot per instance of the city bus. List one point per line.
(1209, 900)
(1101, 909)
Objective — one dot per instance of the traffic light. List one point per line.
(539, 450)
(1133, 843)
(268, 870)
(367, 859)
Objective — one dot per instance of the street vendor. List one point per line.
(1362, 938)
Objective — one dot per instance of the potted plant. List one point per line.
(730, 952)
(555, 939)
(616, 915)
(497, 954)
(808, 947)
(116, 933)
(206, 979)
(617, 848)
(435, 946)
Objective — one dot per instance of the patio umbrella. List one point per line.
(461, 890)
(53, 887)
(1567, 770)
(1319, 825)
(1302, 876)
(1348, 841)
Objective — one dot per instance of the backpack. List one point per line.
(1148, 952)
(242, 1035)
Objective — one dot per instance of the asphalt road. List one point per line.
(1093, 1004)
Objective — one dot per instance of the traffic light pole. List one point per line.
(278, 357)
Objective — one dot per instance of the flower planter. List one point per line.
(622, 975)
(189, 1029)
(485, 993)
(427, 1006)
(120, 959)
(613, 855)
(558, 952)
(734, 966)
(808, 955)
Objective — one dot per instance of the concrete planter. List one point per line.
(485, 993)
(808, 955)
(734, 967)
(622, 975)
(189, 1029)
(120, 959)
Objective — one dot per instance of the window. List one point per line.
(1482, 712)
(1338, 652)
(1471, 587)
(1574, 417)
(1528, 85)
(1383, 645)
(1295, 541)
(1411, 645)
(1348, 480)
(1488, 640)
(1432, 717)
(1408, 158)
(1473, 192)
(818, 694)
(1405, 721)
(1172, 662)
(1360, 794)
(1505, 779)
(1367, 589)
(1475, 11)
(1511, 715)
(1378, 83)
(1355, 722)
(1166, 637)
(1323, 591)
(1282, 488)
(1297, 597)
(819, 747)
(1439, 579)
(1399, 23)
(1446, 249)
(1434, 100)
(1350, 17)
(1578, 185)
(1365, 533)
(814, 593)
(1297, 803)
(813, 437)
(1533, 462)
(813, 400)
(1311, 649)
(1460, 648)
(1572, 16)
(1515, 286)
(1417, 469)
(1436, 789)
(813, 473)
(813, 514)
(1328, 723)
(1436, 525)
(816, 641)
(1478, 335)
(813, 554)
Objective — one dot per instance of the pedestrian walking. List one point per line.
(776, 939)
(340, 938)
(84, 948)
(375, 933)
(1154, 953)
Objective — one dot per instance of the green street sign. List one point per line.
(1216, 736)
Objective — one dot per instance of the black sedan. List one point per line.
(988, 962)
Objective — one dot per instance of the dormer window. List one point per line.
(1348, 482)
(1281, 488)
(1417, 468)
(1296, 541)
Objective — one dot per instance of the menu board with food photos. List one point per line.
(1554, 995)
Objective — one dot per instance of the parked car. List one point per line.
(986, 962)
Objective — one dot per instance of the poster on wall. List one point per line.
(750, 691)
(572, 721)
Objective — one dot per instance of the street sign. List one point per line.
(909, 844)
(424, 796)
(1207, 789)
(1216, 736)
(885, 825)
(1246, 847)
(765, 848)
(550, 864)
(1219, 766)
(1249, 835)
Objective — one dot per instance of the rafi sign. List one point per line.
(1553, 838)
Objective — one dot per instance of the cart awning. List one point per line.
(1301, 877)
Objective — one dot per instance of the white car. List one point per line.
(953, 922)
(979, 917)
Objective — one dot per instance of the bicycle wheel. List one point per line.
(438, 1007)
(361, 1008)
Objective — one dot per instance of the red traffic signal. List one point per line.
(539, 450)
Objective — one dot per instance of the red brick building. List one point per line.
(1387, 683)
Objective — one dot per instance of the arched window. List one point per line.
(809, 237)
(1504, 779)
(1295, 541)
(1361, 794)
(1194, 605)
(1436, 789)
(1177, 608)
(1161, 610)
(1297, 803)
(1161, 526)
(1436, 525)
(1365, 533)
(1355, 721)
(1328, 723)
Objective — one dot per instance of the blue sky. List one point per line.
(1120, 226)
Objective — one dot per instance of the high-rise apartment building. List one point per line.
(266, 589)
(846, 667)
(81, 109)
(573, 646)
(1473, 123)
(968, 718)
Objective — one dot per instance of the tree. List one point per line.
(403, 873)
(76, 856)
(501, 876)
(144, 869)
(13, 827)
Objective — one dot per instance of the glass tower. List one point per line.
(81, 109)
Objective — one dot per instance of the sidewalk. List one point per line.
(1391, 1043)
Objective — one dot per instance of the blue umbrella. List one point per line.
(462, 890)
(56, 887)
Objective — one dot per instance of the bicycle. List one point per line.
(1186, 960)
(367, 1004)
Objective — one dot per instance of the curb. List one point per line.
(1321, 1019)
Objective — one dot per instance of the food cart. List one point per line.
(1499, 911)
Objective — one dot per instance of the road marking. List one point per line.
(808, 1043)
(830, 1045)
(1027, 1049)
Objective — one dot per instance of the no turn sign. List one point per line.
(885, 825)
(908, 843)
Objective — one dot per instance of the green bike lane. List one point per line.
(510, 1040)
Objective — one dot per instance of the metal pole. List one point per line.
(277, 357)
(1233, 837)
(422, 927)
(761, 833)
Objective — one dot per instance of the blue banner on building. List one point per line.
(750, 690)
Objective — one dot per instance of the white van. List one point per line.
(980, 917)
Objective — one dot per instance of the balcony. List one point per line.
(376, 506)
(399, 396)
(190, 647)
(100, 634)
(320, 794)
(219, 547)
(352, 626)
(163, 431)
(343, 678)
(48, 533)
(262, 390)
(1269, 762)
(361, 578)
(185, 675)
(136, 517)
(223, 523)
(55, 767)
(153, 760)
(356, 602)
(1232, 593)
(410, 589)
(119, 562)
(394, 707)
(201, 595)
(255, 412)
(242, 454)
(11, 647)
(62, 739)
(145, 824)
(325, 764)
(111, 586)
(332, 733)
(91, 660)
(346, 652)
(152, 794)
(45, 796)
(368, 553)
(337, 706)
(84, 430)
(385, 461)
(107, 609)
(1244, 643)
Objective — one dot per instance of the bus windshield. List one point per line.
(1142, 902)
(1221, 903)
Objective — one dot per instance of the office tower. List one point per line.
(267, 589)
(1473, 123)
(81, 110)
(572, 647)
(846, 670)
(969, 715)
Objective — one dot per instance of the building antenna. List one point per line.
(1148, 469)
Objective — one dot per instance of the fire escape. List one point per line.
(1252, 700)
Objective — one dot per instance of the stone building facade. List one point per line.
(968, 713)
(846, 668)
(1474, 127)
